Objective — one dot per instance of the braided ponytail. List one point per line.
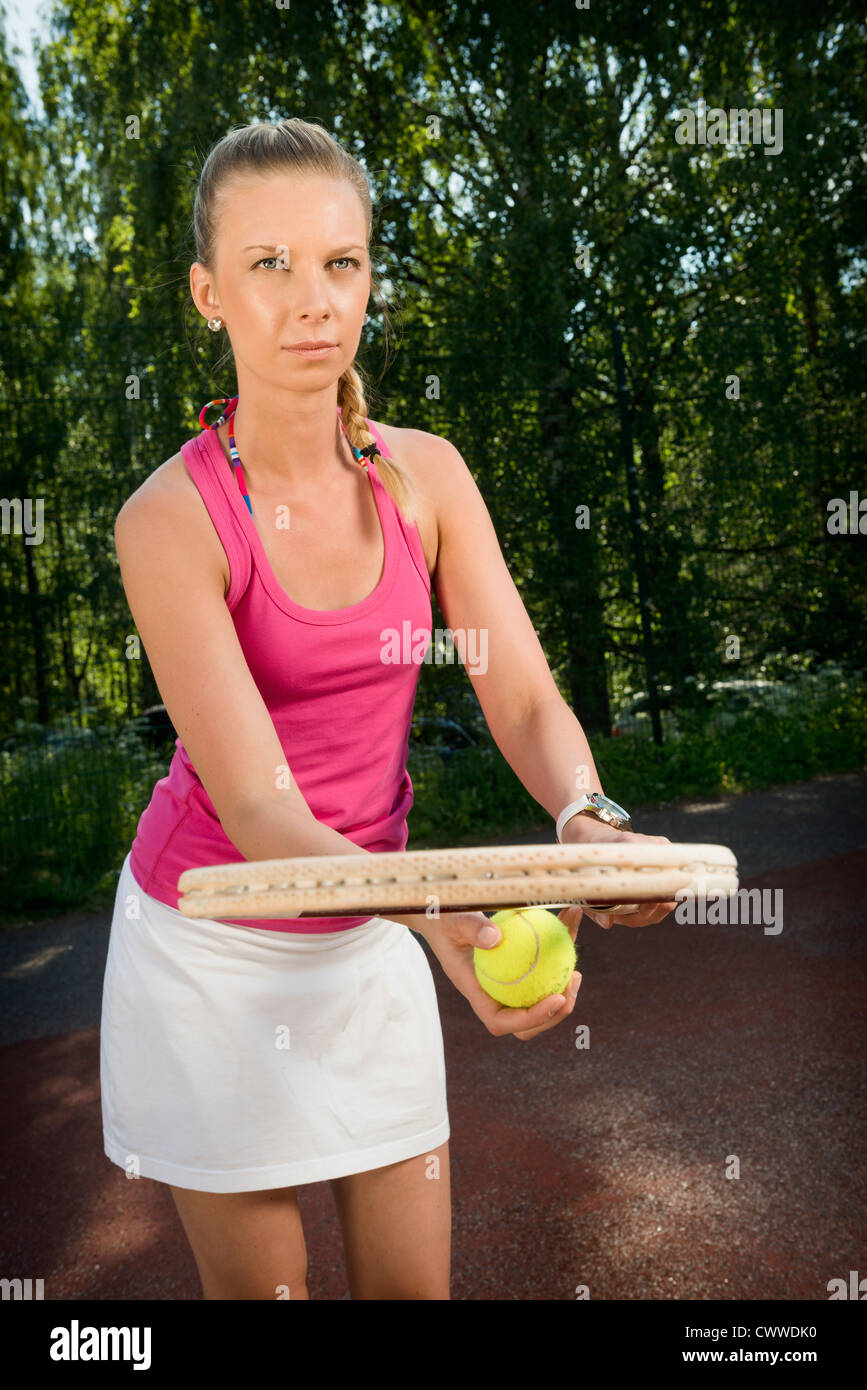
(353, 410)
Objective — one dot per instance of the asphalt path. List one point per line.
(706, 1144)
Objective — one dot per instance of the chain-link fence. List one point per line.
(70, 799)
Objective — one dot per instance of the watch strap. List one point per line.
(568, 812)
(584, 803)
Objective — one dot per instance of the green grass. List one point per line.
(67, 818)
(481, 797)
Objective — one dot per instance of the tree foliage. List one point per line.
(499, 141)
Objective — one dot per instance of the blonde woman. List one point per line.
(265, 565)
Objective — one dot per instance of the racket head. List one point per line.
(473, 878)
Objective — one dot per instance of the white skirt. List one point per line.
(234, 1058)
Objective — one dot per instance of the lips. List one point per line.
(312, 350)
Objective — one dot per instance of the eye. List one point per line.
(350, 260)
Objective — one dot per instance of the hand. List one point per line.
(585, 830)
(453, 936)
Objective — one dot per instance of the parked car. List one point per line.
(725, 700)
(154, 726)
(69, 738)
(634, 718)
(729, 699)
(435, 736)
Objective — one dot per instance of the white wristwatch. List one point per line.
(599, 807)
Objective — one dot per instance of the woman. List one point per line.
(264, 565)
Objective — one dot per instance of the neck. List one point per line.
(295, 442)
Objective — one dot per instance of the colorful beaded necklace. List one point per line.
(364, 456)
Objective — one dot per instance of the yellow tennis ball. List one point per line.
(535, 958)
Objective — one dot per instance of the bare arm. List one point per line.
(548, 751)
(174, 586)
(532, 725)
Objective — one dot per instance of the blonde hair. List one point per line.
(295, 146)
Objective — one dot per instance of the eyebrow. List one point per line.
(259, 246)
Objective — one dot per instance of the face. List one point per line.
(291, 266)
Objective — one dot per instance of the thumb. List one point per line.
(487, 934)
(571, 917)
(471, 929)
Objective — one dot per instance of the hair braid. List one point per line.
(353, 412)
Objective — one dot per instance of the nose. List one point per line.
(309, 295)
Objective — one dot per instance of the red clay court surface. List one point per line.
(603, 1167)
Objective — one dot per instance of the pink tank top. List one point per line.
(339, 686)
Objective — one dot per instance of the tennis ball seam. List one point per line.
(548, 973)
(535, 961)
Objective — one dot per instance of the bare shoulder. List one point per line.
(433, 463)
(421, 449)
(169, 499)
(170, 481)
(432, 460)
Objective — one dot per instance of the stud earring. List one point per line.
(215, 324)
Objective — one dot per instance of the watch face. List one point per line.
(604, 803)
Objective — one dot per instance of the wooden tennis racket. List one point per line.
(605, 876)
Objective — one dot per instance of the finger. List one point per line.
(488, 935)
(558, 1015)
(571, 918)
(542, 1015)
(536, 1017)
(602, 919)
(658, 912)
(647, 914)
(641, 919)
(473, 929)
